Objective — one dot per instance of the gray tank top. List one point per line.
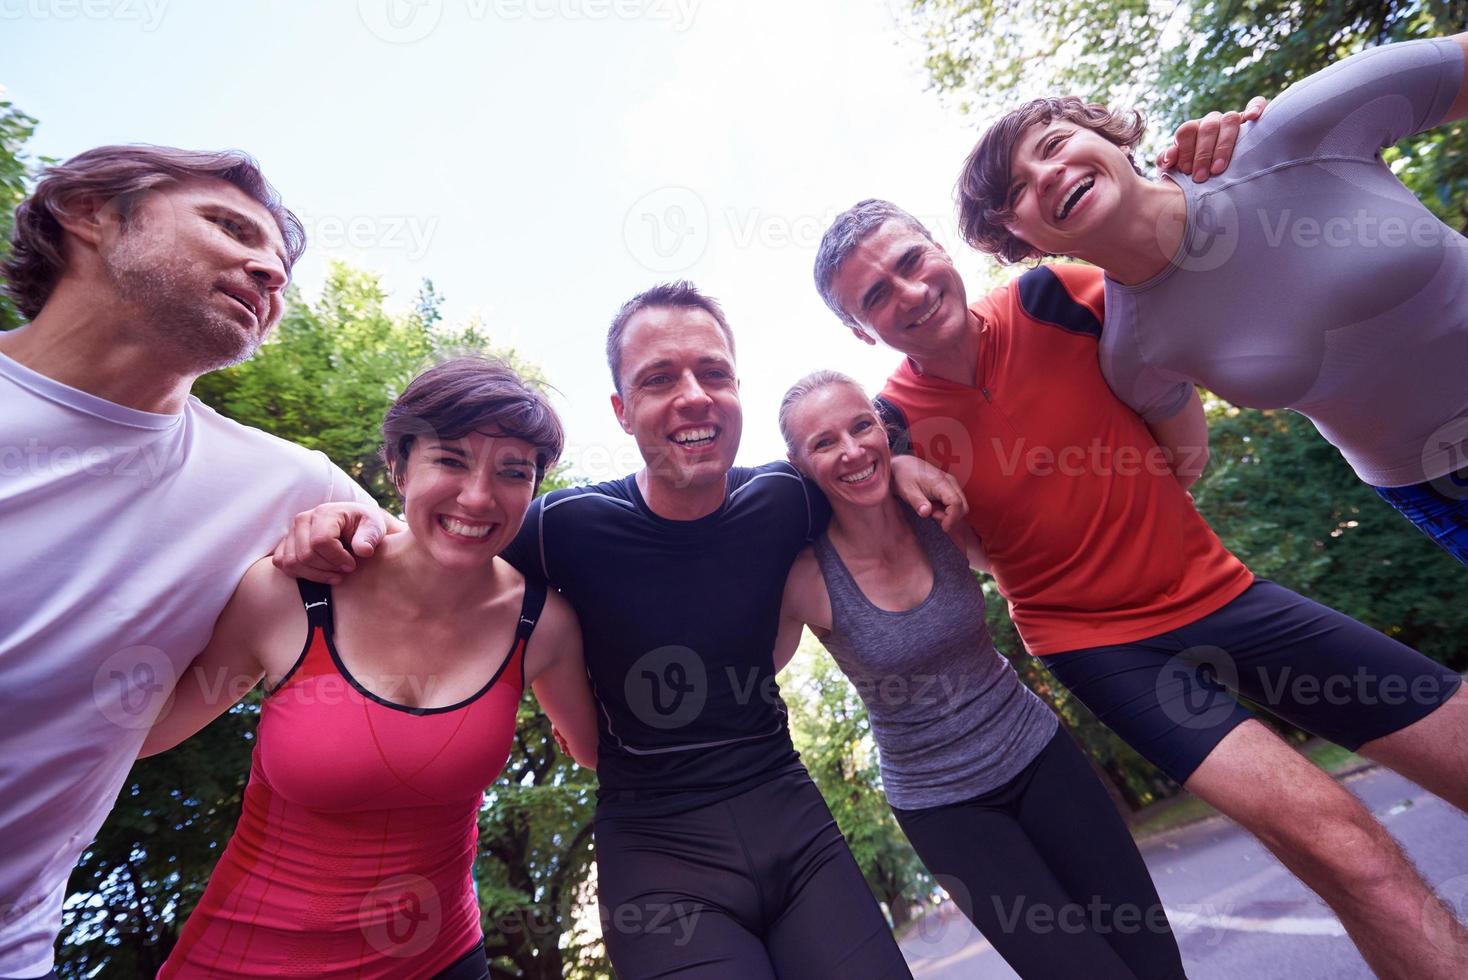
(950, 717)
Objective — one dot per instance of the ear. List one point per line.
(87, 217)
(863, 336)
(621, 411)
(790, 457)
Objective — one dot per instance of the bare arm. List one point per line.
(973, 549)
(1184, 437)
(231, 664)
(806, 603)
(555, 669)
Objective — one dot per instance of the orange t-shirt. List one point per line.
(1091, 537)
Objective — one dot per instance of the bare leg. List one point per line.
(1325, 836)
(1432, 751)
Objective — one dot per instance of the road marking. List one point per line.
(1280, 926)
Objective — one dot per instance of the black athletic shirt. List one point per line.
(679, 620)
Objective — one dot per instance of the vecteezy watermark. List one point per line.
(407, 21)
(409, 233)
(402, 916)
(143, 463)
(1195, 687)
(1360, 230)
(675, 919)
(1447, 448)
(147, 14)
(667, 688)
(667, 230)
(1211, 235)
(131, 687)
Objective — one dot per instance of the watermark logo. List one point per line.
(147, 14)
(131, 687)
(667, 687)
(1451, 442)
(402, 916)
(946, 443)
(400, 21)
(667, 230)
(1193, 687)
(1210, 236)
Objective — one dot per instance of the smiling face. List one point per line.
(202, 265)
(1069, 186)
(902, 289)
(841, 444)
(464, 499)
(680, 397)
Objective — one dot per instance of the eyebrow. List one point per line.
(667, 362)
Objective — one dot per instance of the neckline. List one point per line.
(328, 634)
(856, 586)
(672, 522)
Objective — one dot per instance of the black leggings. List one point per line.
(1045, 868)
(755, 887)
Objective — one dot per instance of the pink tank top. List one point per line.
(353, 853)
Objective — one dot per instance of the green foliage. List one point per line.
(1177, 61)
(829, 725)
(16, 171)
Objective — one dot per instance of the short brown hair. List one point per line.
(123, 174)
(681, 294)
(983, 184)
(472, 394)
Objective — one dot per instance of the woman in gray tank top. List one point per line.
(997, 801)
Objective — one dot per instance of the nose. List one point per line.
(266, 270)
(849, 446)
(909, 290)
(476, 494)
(691, 392)
(1052, 177)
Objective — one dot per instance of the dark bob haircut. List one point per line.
(983, 184)
(122, 174)
(471, 394)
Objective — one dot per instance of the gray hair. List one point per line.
(849, 230)
(809, 385)
(676, 295)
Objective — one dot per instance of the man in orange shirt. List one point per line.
(1127, 594)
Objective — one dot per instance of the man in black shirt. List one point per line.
(716, 856)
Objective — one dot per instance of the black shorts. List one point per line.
(754, 887)
(1170, 698)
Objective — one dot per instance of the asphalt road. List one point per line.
(1236, 911)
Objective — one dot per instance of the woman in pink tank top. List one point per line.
(389, 708)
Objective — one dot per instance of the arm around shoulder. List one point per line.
(556, 671)
(805, 603)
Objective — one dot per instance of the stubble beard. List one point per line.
(176, 311)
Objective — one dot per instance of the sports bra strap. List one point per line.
(530, 607)
(316, 597)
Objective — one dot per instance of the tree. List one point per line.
(325, 380)
(17, 169)
(1177, 61)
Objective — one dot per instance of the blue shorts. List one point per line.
(1171, 697)
(1438, 507)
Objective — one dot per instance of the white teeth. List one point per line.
(688, 436)
(465, 530)
(931, 310)
(1072, 196)
(859, 477)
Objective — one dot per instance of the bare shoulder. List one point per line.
(265, 617)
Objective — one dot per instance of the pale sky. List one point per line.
(540, 160)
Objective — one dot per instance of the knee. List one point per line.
(1342, 841)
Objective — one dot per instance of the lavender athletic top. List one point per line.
(1310, 278)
